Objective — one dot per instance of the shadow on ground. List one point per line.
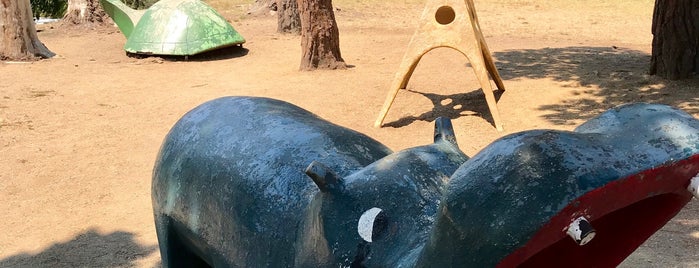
(213, 55)
(603, 77)
(89, 249)
(451, 106)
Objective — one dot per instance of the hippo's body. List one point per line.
(229, 188)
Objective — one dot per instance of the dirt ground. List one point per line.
(79, 133)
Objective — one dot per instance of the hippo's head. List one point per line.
(379, 216)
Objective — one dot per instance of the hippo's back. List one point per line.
(230, 175)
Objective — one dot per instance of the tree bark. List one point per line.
(675, 39)
(288, 20)
(84, 11)
(320, 38)
(19, 38)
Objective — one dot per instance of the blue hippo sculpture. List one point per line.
(256, 182)
(243, 181)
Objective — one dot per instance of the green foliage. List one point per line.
(139, 4)
(49, 8)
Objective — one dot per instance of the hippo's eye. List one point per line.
(371, 224)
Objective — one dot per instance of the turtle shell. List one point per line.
(181, 27)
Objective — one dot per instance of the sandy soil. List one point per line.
(79, 133)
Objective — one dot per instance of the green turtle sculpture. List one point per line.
(172, 27)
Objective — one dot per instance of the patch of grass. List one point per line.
(49, 8)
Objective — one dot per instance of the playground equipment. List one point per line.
(454, 24)
(172, 27)
(256, 182)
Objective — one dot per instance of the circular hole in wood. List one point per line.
(445, 15)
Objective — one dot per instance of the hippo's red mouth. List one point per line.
(624, 213)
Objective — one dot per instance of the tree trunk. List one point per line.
(675, 39)
(19, 39)
(320, 38)
(84, 11)
(288, 20)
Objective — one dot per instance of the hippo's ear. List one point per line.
(443, 130)
(324, 177)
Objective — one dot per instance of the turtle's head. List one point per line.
(124, 16)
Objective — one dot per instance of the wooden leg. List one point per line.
(407, 67)
(475, 56)
(492, 106)
(490, 65)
